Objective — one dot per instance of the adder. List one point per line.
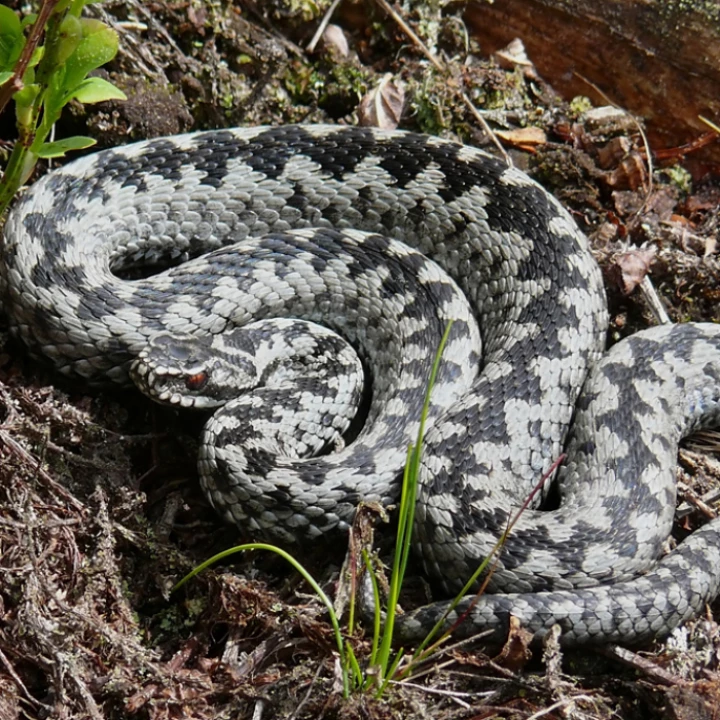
(383, 238)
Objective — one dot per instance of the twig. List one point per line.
(323, 24)
(710, 124)
(654, 302)
(305, 699)
(259, 707)
(635, 661)
(93, 711)
(539, 487)
(552, 657)
(131, 47)
(19, 450)
(559, 704)
(445, 650)
(388, 8)
(18, 681)
(693, 503)
(270, 32)
(457, 696)
(488, 130)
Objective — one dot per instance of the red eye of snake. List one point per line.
(196, 381)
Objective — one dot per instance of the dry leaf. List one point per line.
(361, 539)
(524, 138)
(605, 234)
(630, 268)
(613, 152)
(514, 55)
(515, 653)
(630, 174)
(382, 107)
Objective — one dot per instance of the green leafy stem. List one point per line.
(43, 78)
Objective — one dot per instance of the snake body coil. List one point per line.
(384, 237)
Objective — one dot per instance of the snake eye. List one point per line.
(196, 381)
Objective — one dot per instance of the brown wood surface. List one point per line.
(659, 59)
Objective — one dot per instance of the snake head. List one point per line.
(193, 372)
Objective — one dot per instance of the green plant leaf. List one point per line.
(26, 97)
(54, 98)
(28, 20)
(94, 90)
(60, 147)
(334, 621)
(69, 38)
(9, 22)
(35, 59)
(61, 7)
(24, 100)
(5, 76)
(11, 38)
(77, 5)
(98, 46)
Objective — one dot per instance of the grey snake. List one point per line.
(383, 238)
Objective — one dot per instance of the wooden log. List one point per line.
(659, 59)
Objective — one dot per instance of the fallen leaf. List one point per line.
(628, 269)
(382, 107)
(613, 152)
(524, 138)
(514, 55)
(630, 174)
(515, 653)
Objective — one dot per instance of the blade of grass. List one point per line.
(424, 649)
(307, 577)
(376, 606)
(407, 515)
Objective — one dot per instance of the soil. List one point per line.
(100, 509)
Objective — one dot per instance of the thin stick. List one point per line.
(7, 440)
(385, 5)
(654, 302)
(559, 704)
(323, 24)
(488, 130)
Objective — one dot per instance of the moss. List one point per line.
(299, 10)
(679, 177)
(336, 87)
(429, 101)
(580, 104)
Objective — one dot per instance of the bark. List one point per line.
(659, 59)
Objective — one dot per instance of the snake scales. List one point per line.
(384, 237)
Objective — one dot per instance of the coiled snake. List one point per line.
(384, 237)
